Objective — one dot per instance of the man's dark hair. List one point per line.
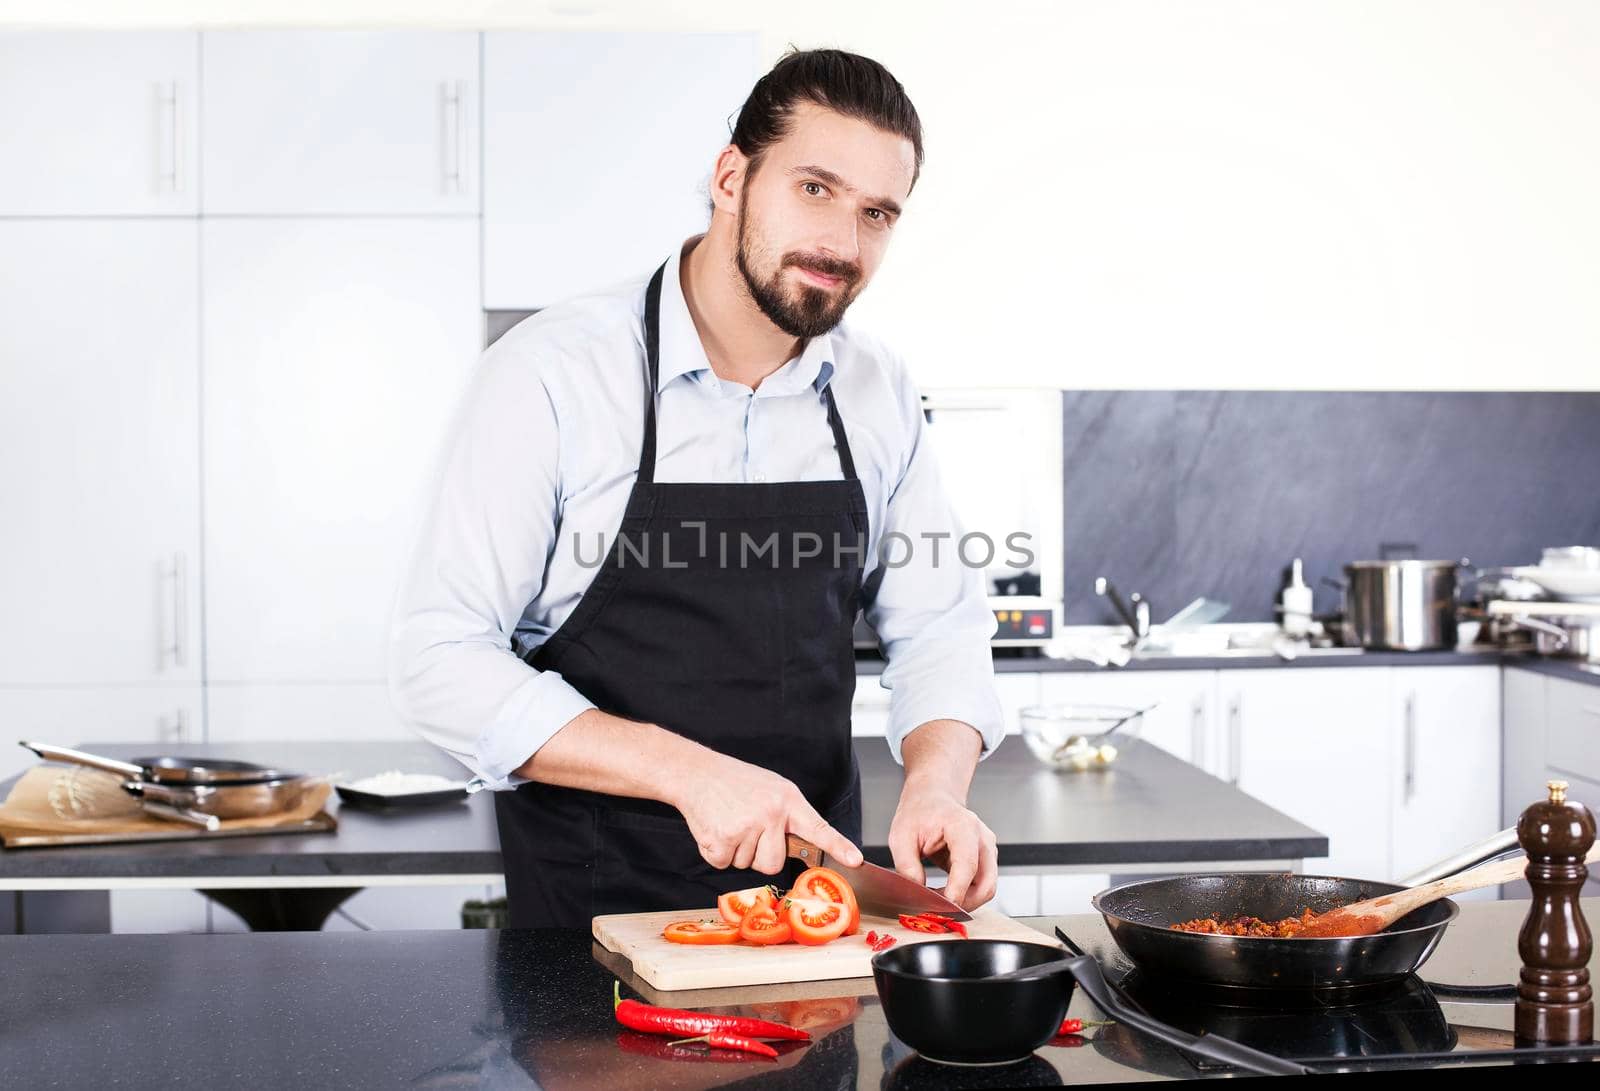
(847, 83)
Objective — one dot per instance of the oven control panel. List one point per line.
(1027, 624)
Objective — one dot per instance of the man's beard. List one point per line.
(816, 311)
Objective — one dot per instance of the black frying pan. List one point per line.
(1139, 916)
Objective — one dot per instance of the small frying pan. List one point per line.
(1139, 916)
(201, 792)
(178, 772)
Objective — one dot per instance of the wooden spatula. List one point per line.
(1376, 914)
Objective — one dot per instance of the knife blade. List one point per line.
(879, 891)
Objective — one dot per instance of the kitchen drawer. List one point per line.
(1573, 731)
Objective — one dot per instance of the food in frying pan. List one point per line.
(1287, 928)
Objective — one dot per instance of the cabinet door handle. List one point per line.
(167, 97)
(1197, 732)
(179, 730)
(1411, 747)
(1235, 739)
(178, 649)
(454, 135)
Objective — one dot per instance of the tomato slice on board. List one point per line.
(700, 932)
(829, 885)
(922, 924)
(736, 903)
(815, 921)
(763, 926)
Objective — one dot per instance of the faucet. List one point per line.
(1137, 618)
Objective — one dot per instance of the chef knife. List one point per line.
(879, 891)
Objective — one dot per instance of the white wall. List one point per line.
(1375, 194)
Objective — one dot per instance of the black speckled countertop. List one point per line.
(526, 1010)
(1007, 661)
(1573, 670)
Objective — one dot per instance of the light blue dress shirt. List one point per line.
(535, 472)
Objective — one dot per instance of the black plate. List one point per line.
(399, 801)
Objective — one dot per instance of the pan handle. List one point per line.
(208, 822)
(78, 757)
(1086, 971)
(1470, 856)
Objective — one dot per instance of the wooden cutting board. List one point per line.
(671, 966)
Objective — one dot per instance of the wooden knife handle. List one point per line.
(804, 851)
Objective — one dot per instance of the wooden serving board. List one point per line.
(672, 966)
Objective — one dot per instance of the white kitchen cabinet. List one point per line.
(869, 711)
(1318, 745)
(1446, 781)
(98, 123)
(236, 713)
(1182, 723)
(99, 388)
(166, 716)
(1572, 737)
(159, 911)
(331, 122)
(1523, 720)
(1552, 732)
(597, 149)
(334, 353)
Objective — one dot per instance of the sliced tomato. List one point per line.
(815, 921)
(829, 885)
(736, 903)
(922, 924)
(763, 926)
(700, 932)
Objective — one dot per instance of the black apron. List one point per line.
(723, 612)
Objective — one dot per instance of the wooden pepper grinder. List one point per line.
(1555, 1002)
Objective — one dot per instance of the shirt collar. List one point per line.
(683, 354)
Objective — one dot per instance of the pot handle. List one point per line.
(1534, 625)
(78, 757)
(1086, 971)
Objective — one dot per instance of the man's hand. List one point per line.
(740, 815)
(932, 821)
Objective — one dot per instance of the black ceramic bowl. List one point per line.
(937, 999)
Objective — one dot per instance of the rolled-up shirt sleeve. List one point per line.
(930, 610)
(489, 522)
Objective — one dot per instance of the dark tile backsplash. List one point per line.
(1178, 494)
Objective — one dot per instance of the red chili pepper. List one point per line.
(950, 923)
(872, 937)
(654, 1020)
(921, 924)
(1073, 1026)
(1068, 1041)
(721, 1039)
(884, 943)
(653, 1045)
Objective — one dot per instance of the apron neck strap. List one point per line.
(652, 352)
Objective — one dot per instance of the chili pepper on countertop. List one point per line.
(653, 1020)
(721, 1039)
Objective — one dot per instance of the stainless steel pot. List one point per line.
(1401, 605)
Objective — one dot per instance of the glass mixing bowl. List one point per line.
(1074, 737)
